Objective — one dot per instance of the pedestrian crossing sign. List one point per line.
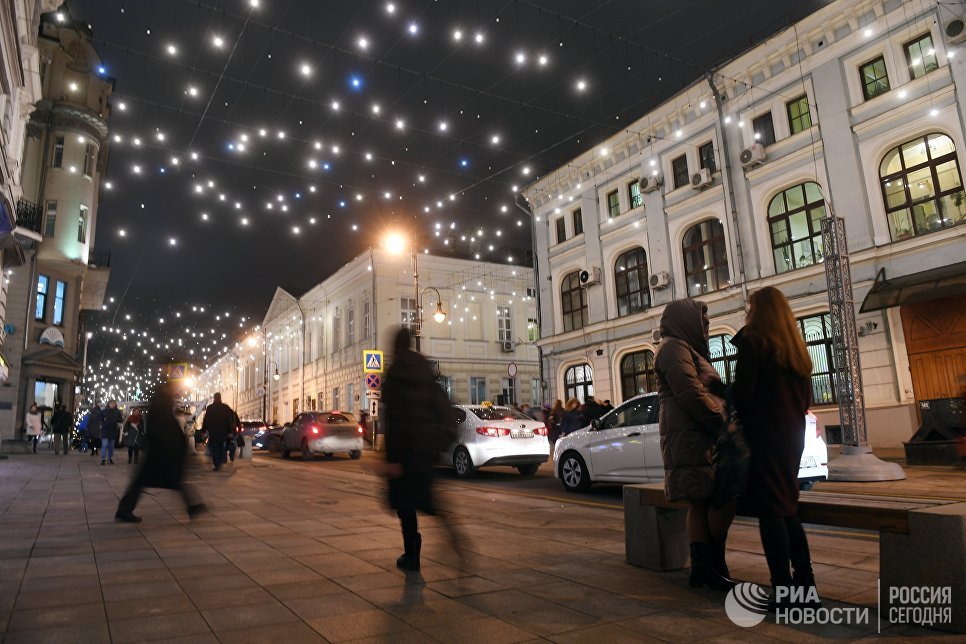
(372, 361)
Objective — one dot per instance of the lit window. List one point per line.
(630, 277)
(817, 332)
(799, 118)
(705, 258)
(922, 187)
(60, 295)
(723, 356)
(43, 288)
(634, 194)
(794, 217)
(579, 382)
(875, 78)
(637, 374)
(921, 56)
(613, 203)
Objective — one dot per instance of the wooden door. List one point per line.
(936, 343)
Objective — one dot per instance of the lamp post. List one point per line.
(395, 244)
(266, 385)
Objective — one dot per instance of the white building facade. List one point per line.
(719, 191)
(484, 349)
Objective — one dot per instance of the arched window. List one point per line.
(637, 374)
(922, 187)
(723, 356)
(630, 275)
(579, 382)
(573, 302)
(705, 258)
(794, 217)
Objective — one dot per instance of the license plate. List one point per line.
(519, 434)
(808, 461)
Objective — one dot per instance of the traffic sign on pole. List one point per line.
(373, 381)
(374, 408)
(372, 361)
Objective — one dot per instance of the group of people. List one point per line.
(565, 419)
(221, 426)
(770, 394)
(61, 422)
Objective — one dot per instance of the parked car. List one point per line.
(272, 439)
(624, 446)
(495, 435)
(322, 432)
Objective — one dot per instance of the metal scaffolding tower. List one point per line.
(856, 462)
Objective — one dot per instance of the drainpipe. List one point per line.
(536, 282)
(298, 305)
(726, 168)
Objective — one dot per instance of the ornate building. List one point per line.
(65, 154)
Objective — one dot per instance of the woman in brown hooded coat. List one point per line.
(692, 413)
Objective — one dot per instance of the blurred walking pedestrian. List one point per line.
(133, 435)
(33, 425)
(772, 391)
(108, 423)
(94, 429)
(420, 424)
(692, 414)
(555, 417)
(592, 411)
(219, 424)
(60, 424)
(164, 462)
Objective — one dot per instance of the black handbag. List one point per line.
(730, 460)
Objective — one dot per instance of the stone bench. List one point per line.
(922, 542)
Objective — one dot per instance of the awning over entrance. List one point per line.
(945, 281)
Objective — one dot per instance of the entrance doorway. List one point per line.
(936, 343)
(46, 394)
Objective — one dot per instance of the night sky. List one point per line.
(247, 151)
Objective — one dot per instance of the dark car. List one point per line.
(255, 431)
(272, 439)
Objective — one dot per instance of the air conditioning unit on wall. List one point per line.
(651, 183)
(750, 157)
(590, 276)
(701, 179)
(661, 279)
(956, 31)
(507, 347)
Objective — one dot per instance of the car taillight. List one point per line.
(361, 430)
(315, 430)
(493, 432)
(540, 431)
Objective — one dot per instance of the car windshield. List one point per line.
(332, 418)
(498, 413)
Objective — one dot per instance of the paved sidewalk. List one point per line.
(295, 552)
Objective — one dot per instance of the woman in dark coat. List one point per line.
(164, 463)
(692, 415)
(771, 393)
(419, 419)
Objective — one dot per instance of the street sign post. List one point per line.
(373, 381)
(372, 361)
(374, 394)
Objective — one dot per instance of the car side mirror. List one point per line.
(595, 423)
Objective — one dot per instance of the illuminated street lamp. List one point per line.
(395, 243)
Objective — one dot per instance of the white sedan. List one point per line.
(624, 446)
(490, 435)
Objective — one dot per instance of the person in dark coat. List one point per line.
(94, 428)
(692, 414)
(60, 424)
(165, 461)
(416, 406)
(134, 435)
(109, 428)
(592, 411)
(771, 392)
(571, 420)
(219, 424)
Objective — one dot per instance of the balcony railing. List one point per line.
(97, 258)
(29, 215)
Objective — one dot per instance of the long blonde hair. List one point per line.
(770, 320)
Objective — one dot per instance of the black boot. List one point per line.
(716, 554)
(805, 589)
(702, 574)
(410, 559)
